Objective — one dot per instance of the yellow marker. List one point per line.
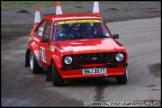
(78, 21)
(30, 38)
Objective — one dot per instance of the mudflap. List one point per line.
(27, 57)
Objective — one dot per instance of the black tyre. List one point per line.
(56, 77)
(49, 74)
(122, 79)
(34, 66)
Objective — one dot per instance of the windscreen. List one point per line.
(80, 29)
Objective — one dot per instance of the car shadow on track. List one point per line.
(90, 82)
(101, 81)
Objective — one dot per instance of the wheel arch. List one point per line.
(56, 60)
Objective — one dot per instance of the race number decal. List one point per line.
(42, 50)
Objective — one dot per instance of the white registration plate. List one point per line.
(94, 71)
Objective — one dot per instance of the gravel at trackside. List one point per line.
(19, 21)
(110, 11)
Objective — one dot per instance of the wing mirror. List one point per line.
(116, 36)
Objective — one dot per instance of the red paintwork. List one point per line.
(71, 16)
(76, 47)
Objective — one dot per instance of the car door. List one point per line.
(45, 51)
(38, 33)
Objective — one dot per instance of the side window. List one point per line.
(55, 29)
(47, 30)
(40, 29)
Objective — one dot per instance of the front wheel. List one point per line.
(34, 66)
(49, 74)
(122, 79)
(56, 77)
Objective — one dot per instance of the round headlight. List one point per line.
(119, 57)
(68, 60)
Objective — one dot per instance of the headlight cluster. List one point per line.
(68, 60)
(119, 57)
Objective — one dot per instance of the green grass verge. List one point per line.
(17, 4)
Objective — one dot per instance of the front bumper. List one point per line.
(76, 70)
(109, 65)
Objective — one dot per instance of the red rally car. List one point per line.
(76, 46)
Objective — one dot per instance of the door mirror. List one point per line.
(116, 36)
(45, 39)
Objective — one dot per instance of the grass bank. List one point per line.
(17, 4)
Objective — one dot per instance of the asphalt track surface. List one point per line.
(20, 87)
